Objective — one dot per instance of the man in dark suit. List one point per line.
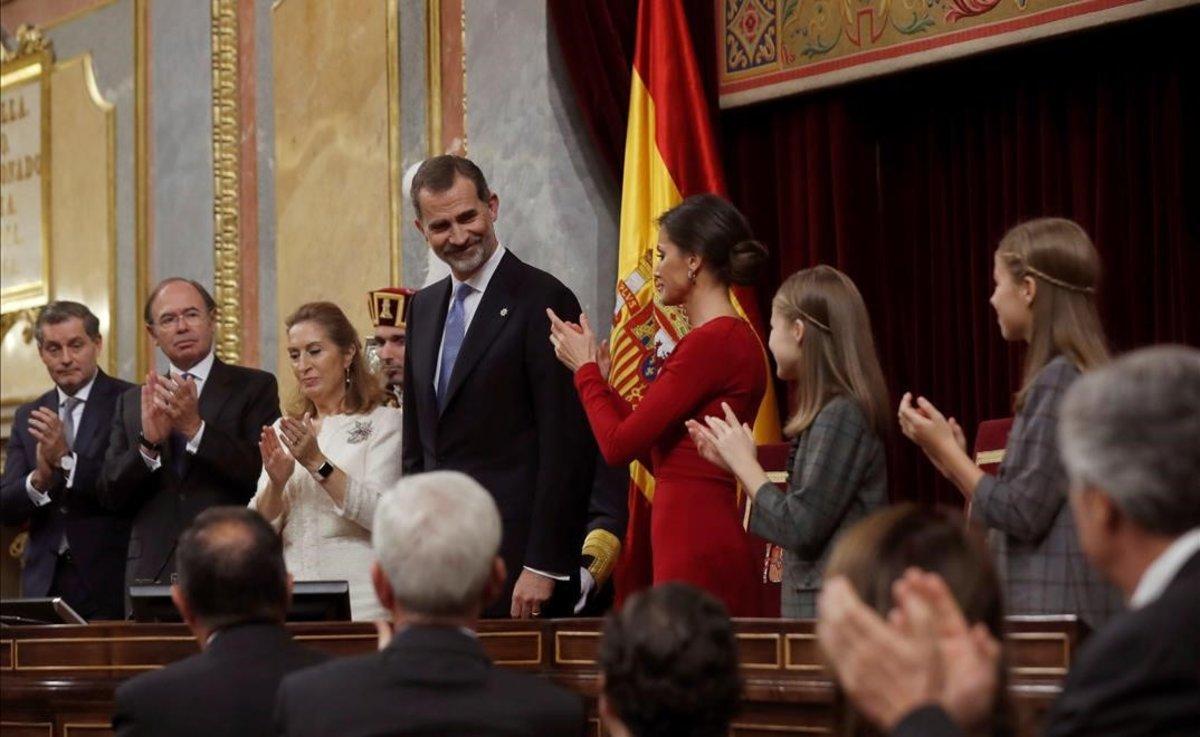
(76, 549)
(233, 594)
(484, 394)
(185, 441)
(436, 538)
(1128, 438)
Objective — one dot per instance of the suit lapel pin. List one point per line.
(503, 312)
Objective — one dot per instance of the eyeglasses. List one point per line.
(170, 320)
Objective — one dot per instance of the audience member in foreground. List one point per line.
(1128, 434)
(233, 593)
(872, 558)
(76, 548)
(670, 666)
(696, 535)
(837, 470)
(437, 538)
(325, 464)
(185, 441)
(1046, 273)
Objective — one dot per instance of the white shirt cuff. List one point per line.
(151, 463)
(193, 445)
(586, 584)
(38, 498)
(555, 576)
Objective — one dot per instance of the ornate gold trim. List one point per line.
(605, 549)
(986, 457)
(433, 75)
(739, 637)
(497, 635)
(462, 25)
(226, 143)
(77, 14)
(789, 661)
(141, 178)
(558, 636)
(33, 59)
(395, 185)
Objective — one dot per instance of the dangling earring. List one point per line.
(692, 275)
(347, 377)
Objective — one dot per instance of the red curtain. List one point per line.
(907, 183)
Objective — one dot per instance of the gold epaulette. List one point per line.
(605, 548)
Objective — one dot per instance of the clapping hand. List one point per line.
(277, 461)
(47, 429)
(179, 400)
(156, 423)
(300, 438)
(574, 345)
(732, 440)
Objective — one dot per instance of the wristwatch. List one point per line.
(67, 463)
(324, 471)
(148, 446)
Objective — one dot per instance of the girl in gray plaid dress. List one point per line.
(821, 340)
(1046, 273)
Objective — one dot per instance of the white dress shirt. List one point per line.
(37, 497)
(199, 374)
(1159, 574)
(478, 282)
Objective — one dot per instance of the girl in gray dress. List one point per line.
(821, 340)
(1046, 273)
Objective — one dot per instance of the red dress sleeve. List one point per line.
(689, 376)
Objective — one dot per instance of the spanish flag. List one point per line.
(670, 153)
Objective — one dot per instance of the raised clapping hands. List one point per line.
(277, 461)
(47, 429)
(927, 427)
(924, 653)
(178, 401)
(300, 438)
(574, 344)
(726, 443)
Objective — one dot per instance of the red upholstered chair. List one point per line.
(990, 440)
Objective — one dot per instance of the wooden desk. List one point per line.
(58, 681)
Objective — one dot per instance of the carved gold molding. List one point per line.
(141, 179)
(226, 144)
(395, 196)
(433, 70)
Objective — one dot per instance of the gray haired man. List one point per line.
(437, 540)
(1129, 434)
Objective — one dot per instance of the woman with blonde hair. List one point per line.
(1046, 272)
(326, 461)
(822, 343)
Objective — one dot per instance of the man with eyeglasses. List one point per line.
(186, 439)
(75, 549)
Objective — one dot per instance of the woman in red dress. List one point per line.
(696, 532)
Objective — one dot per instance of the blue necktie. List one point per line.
(452, 339)
(179, 459)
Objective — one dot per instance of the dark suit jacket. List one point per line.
(512, 420)
(97, 537)
(235, 404)
(429, 680)
(225, 691)
(1139, 676)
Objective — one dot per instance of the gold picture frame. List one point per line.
(32, 63)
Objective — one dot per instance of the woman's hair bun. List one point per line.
(746, 261)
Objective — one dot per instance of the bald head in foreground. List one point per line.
(437, 542)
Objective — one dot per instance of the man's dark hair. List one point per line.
(210, 304)
(670, 663)
(231, 569)
(62, 310)
(437, 175)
